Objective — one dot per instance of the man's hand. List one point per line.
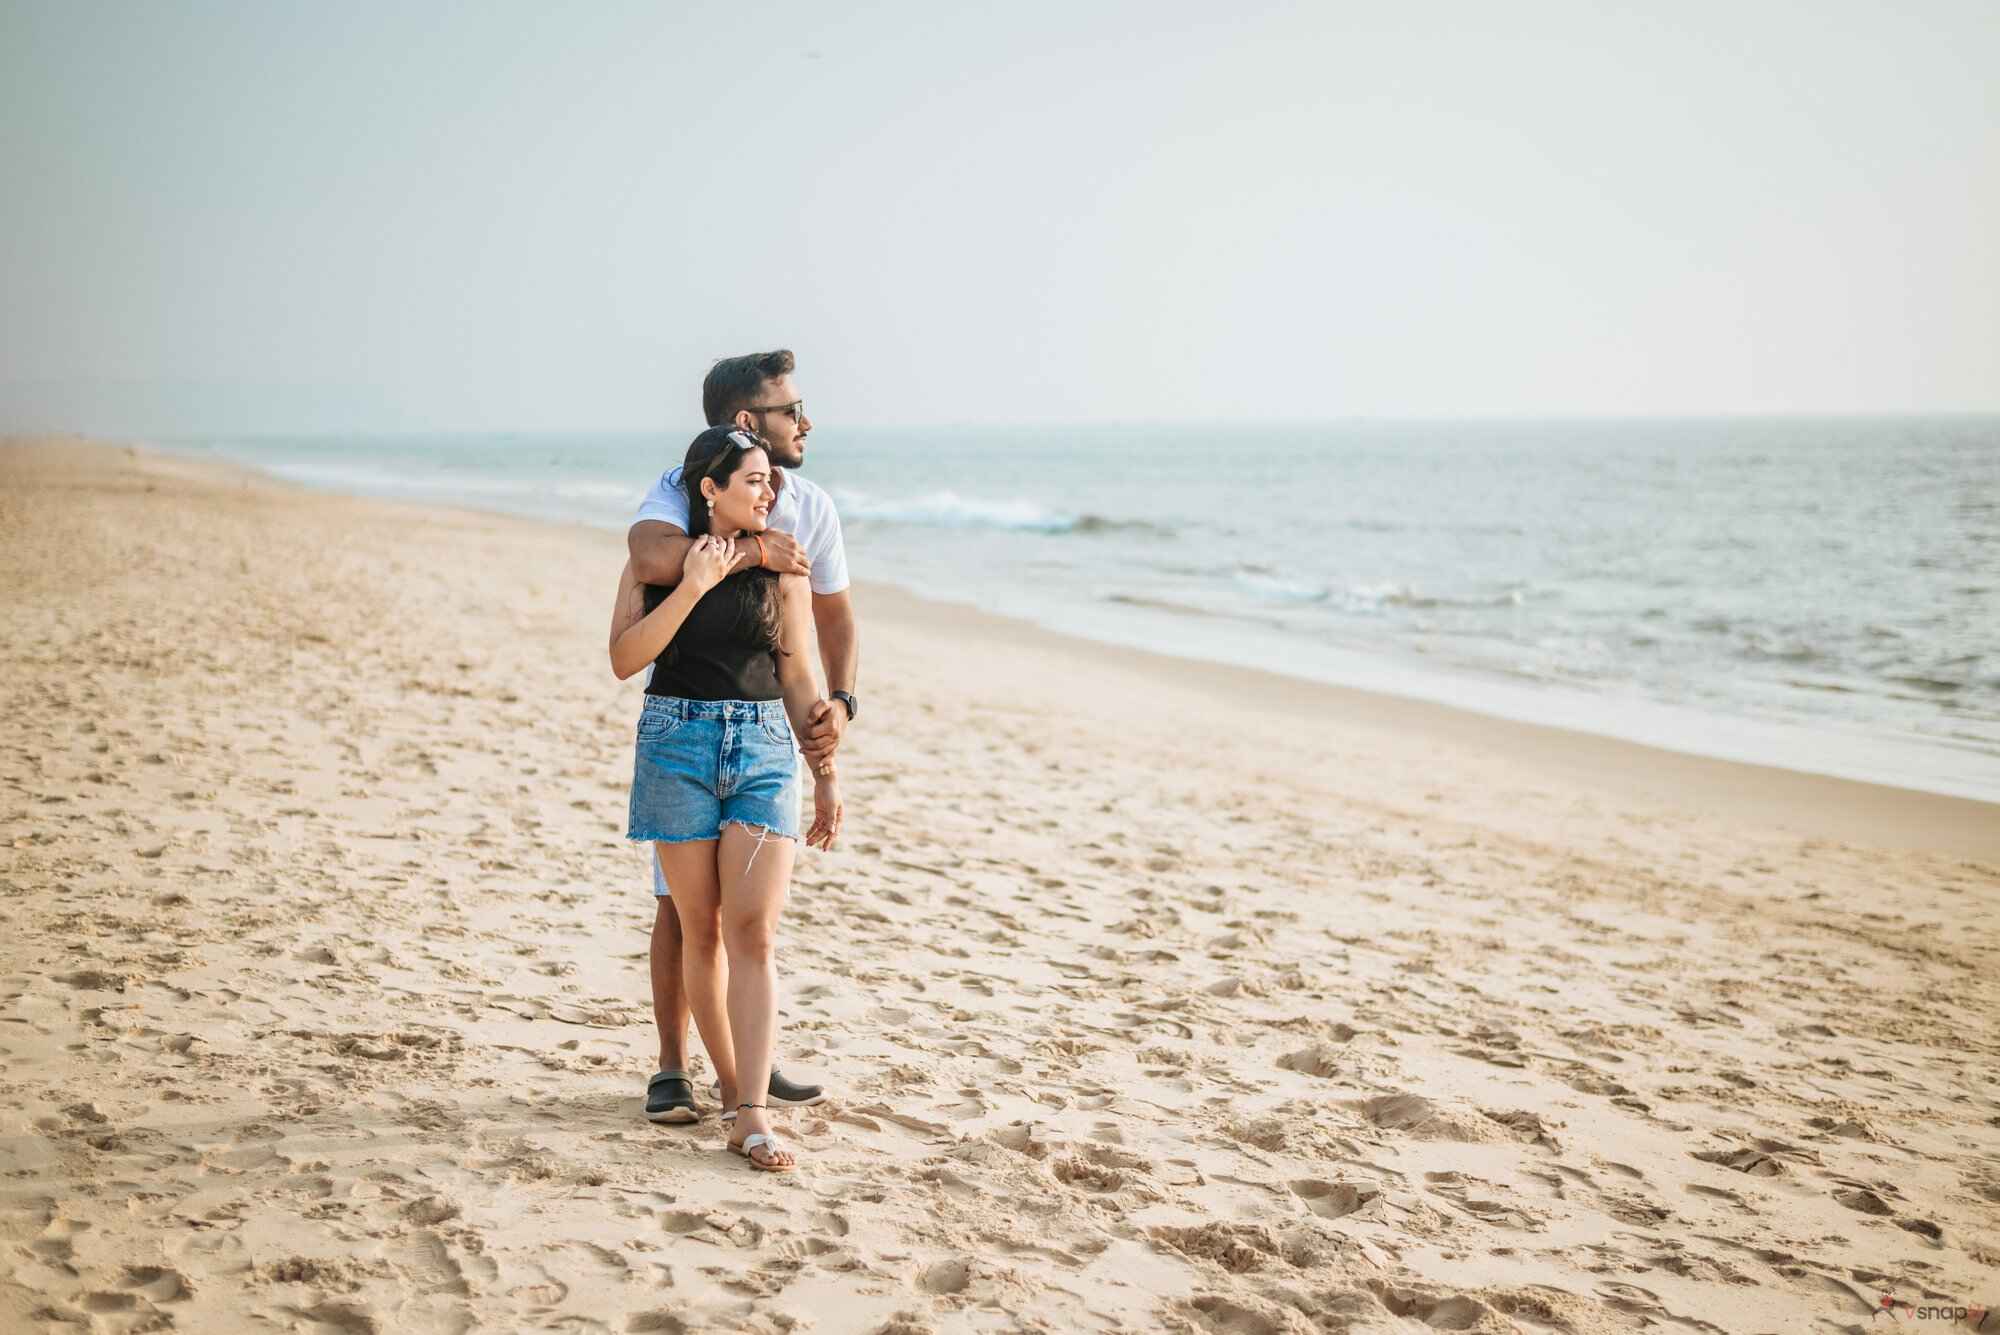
(824, 726)
(782, 553)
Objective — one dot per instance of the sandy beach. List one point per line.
(1152, 995)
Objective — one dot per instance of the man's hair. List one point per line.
(734, 383)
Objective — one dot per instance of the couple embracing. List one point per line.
(736, 567)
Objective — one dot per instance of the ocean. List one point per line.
(1818, 594)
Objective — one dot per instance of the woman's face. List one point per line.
(745, 503)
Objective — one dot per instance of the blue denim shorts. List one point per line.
(701, 764)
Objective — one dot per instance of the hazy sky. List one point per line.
(288, 216)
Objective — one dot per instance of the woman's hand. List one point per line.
(709, 561)
(826, 813)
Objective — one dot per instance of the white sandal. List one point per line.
(757, 1140)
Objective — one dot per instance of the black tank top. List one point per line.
(718, 653)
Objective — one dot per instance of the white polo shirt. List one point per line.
(803, 509)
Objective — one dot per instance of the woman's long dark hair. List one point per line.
(717, 453)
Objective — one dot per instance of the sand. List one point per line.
(1153, 996)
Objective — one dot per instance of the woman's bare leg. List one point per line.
(691, 880)
(755, 871)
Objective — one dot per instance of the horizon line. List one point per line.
(1046, 423)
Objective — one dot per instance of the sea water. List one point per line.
(1822, 594)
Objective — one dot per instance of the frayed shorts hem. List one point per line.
(768, 831)
(671, 838)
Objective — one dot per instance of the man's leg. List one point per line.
(670, 1093)
(670, 1004)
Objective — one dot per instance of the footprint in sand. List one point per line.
(427, 1265)
(683, 1221)
(158, 1284)
(541, 1296)
(946, 1277)
(1721, 1194)
(1864, 1201)
(1228, 1316)
(341, 1316)
(1089, 1174)
(1439, 1311)
(1924, 1229)
(1321, 1059)
(1397, 1112)
(1754, 1162)
(1028, 1138)
(1334, 1200)
(1474, 1196)
(1526, 1126)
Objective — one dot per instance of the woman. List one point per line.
(714, 781)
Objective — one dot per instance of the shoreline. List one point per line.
(1863, 753)
(1804, 802)
(1812, 803)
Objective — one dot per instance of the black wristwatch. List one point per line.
(846, 698)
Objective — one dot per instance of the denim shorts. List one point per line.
(701, 764)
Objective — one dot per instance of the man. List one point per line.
(755, 393)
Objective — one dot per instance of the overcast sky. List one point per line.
(411, 217)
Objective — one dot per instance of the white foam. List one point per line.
(947, 509)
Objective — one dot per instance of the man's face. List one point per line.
(786, 435)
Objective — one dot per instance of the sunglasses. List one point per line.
(796, 409)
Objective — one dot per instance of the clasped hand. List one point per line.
(709, 561)
(825, 726)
